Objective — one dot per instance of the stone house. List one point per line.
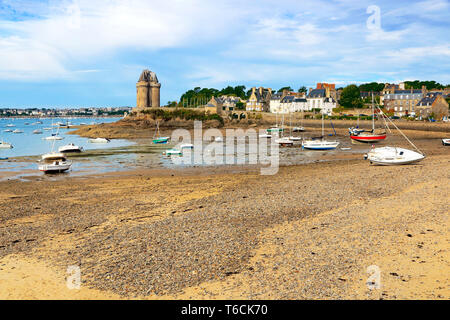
(400, 100)
(433, 103)
(259, 99)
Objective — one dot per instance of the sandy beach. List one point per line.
(309, 232)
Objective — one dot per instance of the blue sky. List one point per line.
(91, 52)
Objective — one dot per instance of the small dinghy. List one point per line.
(99, 140)
(187, 146)
(55, 167)
(284, 142)
(275, 129)
(446, 142)
(173, 152)
(265, 136)
(157, 139)
(53, 137)
(388, 156)
(70, 148)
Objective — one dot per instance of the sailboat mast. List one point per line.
(373, 115)
(322, 125)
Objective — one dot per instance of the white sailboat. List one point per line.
(55, 167)
(320, 144)
(284, 141)
(389, 156)
(5, 145)
(70, 148)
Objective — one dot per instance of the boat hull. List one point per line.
(391, 156)
(446, 142)
(368, 138)
(320, 145)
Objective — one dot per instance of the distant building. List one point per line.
(432, 103)
(148, 91)
(259, 99)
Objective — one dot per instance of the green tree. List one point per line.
(373, 86)
(303, 89)
(350, 97)
(240, 105)
(285, 88)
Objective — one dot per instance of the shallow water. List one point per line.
(29, 144)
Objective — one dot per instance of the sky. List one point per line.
(80, 53)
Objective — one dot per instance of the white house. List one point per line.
(317, 99)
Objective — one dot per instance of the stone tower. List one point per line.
(147, 89)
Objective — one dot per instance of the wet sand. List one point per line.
(309, 232)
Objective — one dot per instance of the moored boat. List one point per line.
(5, 145)
(37, 131)
(284, 142)
(99, 140)
(446, 142)
(368, 137)
(70, 148)
(17, 131)
(55, 167)
(52, 156)
(173, 152)
(388, 156)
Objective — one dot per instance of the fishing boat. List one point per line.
(99, 140)
(70, 148)
(157, 139)
(55, 167)
(320, 143)
(5, 145)
(367, 136)
(446, 142)
(389, 156)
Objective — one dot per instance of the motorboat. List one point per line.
(5, 145)
(99, 140)
(70, 148)
(17, 131)
(55, 167)
(446, 142)
(388, 156)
